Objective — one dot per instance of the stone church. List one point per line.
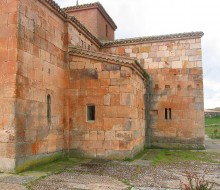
(68, 88)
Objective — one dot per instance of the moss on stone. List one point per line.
(177, 146)
(38, 161)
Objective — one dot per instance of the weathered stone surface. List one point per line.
(176, 71)
(54, 69)
(7, 164)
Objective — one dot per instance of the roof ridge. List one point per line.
(131, 62)
(56, 7)
(98, 4)
(78, 23)
(82, 5)
(154, 38)
(101, 53)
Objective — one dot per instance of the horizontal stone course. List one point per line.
(52, 68)
(116, 113)
(175, 68)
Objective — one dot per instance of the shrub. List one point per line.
(215, 132)
(196, 183)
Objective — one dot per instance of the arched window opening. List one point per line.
(48, 108)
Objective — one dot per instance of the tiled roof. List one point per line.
(91, 5)
(56, 7)
(130, 62)
(146, 39)
(81, 26)
(154, 38)
(72, 18)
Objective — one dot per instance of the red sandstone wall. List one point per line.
(176, 71)
(8, 56)
(41, 70)
(77, 38)
(88, 18)
(102, 29)
(94, 21)
(117, 92)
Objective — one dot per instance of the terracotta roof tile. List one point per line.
(61, 12)
(106, 56)
(89, 5)
(130, 62)
(56, 7)
(154, 38)
(147, 39)
(81, 26)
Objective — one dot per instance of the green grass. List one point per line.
(176, 156)
(56, 166)
(213, 131)
(48, 169)
(212, 120)
(136, 157)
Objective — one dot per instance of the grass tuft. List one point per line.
(161, 156)
(212, 130)
(56, 166)
(212, 120)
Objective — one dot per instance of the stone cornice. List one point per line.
(93, 5)
(152, 39)
(110, 58)
(65, 17)
(85, 31)
(60, 12)
(130, 41)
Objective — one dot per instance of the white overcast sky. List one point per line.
(136, 18)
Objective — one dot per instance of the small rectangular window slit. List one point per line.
(48, 109)
(90, 113)
(168, 114)
(106, 30)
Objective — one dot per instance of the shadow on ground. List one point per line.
(151, 170)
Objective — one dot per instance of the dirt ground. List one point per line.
(116, 175)
(153, 170)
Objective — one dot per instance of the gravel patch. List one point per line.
(9, 186)
(79, 181)
(16, 179)
(119, 175)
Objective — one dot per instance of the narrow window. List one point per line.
(90, 112)
(170, 113)
(106, 30)
(82, 43)
(166, 113)
(48, 108)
